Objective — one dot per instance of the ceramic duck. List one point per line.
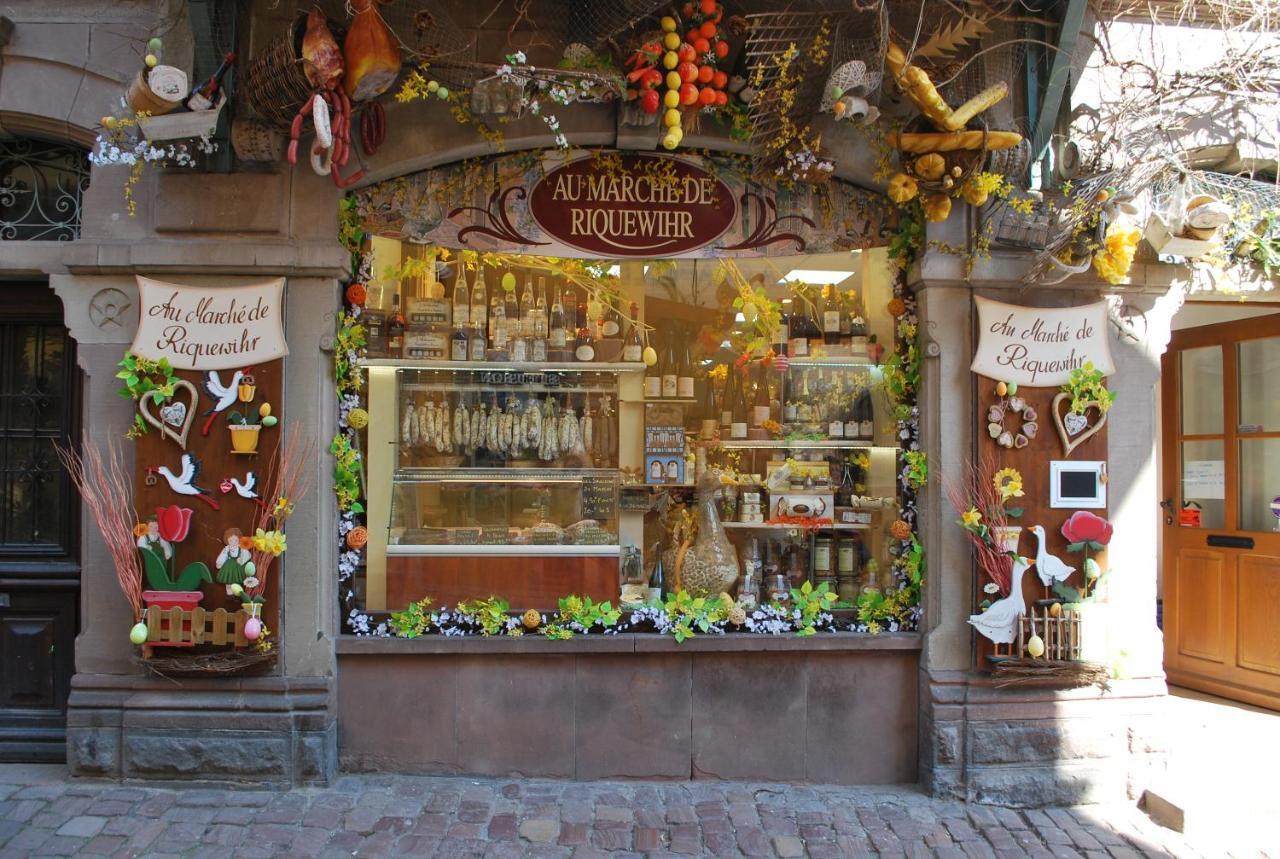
(1049, 568)
(999, 622)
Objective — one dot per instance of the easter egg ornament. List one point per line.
(252, 628)
(508, 282)
(138, 634)
(649, 356)
(1035, 647)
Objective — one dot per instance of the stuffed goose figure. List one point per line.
(1000, 621)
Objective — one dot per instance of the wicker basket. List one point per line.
(960, 163)
(274, 86)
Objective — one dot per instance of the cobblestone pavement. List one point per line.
(372, 816)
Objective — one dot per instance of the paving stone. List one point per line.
(540, 829)
(788, 846)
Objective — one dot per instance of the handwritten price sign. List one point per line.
(1040, 346)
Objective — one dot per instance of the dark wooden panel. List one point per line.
(37, 659)
(218, 463)
(525, 582)
(27, 643)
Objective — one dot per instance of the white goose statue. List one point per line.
(1000, 621)
(1049, 568)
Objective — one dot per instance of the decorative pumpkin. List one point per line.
(897, 307)
(357, 537)
(357, 294)
(357, 419)
(246, 389)
(531, 619)
(372, 54)
(930, 166)
(902, 188)
(974, 194)
(900, 530)
(937, 207)
(321, 57)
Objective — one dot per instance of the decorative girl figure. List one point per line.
(150, 539)
(232, 560)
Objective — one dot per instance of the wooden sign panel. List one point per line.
(210, 328)
(1040, 346)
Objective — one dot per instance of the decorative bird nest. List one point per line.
(1052, 673)
(956, 166)
(221, 663)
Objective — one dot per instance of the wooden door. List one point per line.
(39, 552)
(1221, 472)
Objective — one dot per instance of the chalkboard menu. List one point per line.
(637, 499)
(599, 496)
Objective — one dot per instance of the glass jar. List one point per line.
(710, 566)
(635, 584)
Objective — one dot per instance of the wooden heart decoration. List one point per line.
(1074, 436)
(175, 410)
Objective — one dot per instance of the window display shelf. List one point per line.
(801, 444)
(506, 551)
(524, 366)
(774, 526)
(497, 474)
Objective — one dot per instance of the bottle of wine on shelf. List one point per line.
(752, 571)
(866, 415)
(461, 302)
(540, 309)
(205, 95)
(738, 426)
(653, 374)
(558, 333)
(612, 326)
(527, 304)
(479, 299)
(395, 329)
(511, 309)
(670, 375)
(835, 417)
(726, 402)
(760, 410)
(657, 584)
(632, 349)
(497, 329)
(710, 410)
(799, 345)
(585, 349)
(779, 335)
(684, 370)
(458, 344)
(477, 348)
(830, 315)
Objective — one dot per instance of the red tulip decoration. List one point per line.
(1085, 532)
(174, 522)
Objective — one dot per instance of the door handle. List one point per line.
(1229, 541)
(1167, 504)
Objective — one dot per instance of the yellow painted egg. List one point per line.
(138, 634)
(264, 410)
(1035, 647)
(1001, 389)
(1055, 610)
(650, 356)
(509, 282)
(595, 309)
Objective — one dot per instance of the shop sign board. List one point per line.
(1040, 346)
(633, 205)
(210, 328)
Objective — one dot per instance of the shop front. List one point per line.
(611, 447)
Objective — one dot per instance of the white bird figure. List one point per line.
(245, 489)
(1049, 568)
(1000, 621)
(222, 396)
(184, 483)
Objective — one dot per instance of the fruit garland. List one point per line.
(684, 68)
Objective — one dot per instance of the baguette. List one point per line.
(960, 117)
(949, 141)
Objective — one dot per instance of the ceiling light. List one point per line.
(816, 277)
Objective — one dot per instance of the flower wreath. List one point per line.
(996, 414)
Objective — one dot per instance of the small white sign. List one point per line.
(1204, 478)
(210, 328)
(1040, 346)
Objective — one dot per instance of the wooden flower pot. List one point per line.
(244, 438)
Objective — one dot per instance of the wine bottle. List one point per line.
(726, 402)
(585, 350)
(458, 344)
(779, 337)
(497, 327)
(752, 570)
(540, 310)
(632, 349)
(760, 411)
(710, 410)
(670, 375)
(656, 584)
(205, 95)
(395, 329)
(830, 316)
(479, 301)
(611, 326)
(799, 345)
(526, 305)
(461, 302)
(511, 312)
(738, 426)
(684, 370)
(866, 416)
(558, 333)
(476, 344)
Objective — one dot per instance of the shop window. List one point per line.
(41, 186)
(515, 442)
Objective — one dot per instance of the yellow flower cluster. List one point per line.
(1112, 263)
(269, 541)
(1008, 482)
